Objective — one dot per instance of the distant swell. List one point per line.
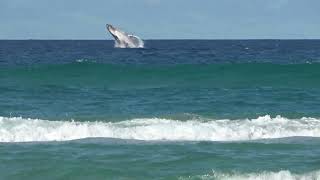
(214, 75)
(24, 130)
(281, 175)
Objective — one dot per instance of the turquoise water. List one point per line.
(173, 110)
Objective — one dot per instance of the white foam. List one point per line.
(22, 130)
(281, 175)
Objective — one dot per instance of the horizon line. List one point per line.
(31, 39)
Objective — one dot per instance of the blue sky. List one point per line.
(161, 19)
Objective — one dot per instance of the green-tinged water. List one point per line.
(116, 159)
(93, 91)
(206, 110)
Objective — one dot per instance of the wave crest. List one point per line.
(281, 175)
(18, 129)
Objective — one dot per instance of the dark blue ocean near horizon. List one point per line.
(176, 109)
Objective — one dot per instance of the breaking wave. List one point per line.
(281, 175)
(18, 129)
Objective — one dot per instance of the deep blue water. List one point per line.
(176, 109)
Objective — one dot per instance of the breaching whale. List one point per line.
(124, 40)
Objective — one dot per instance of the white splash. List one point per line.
(22, 130)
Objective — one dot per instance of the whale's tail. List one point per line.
(124, 40)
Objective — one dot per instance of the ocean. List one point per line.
(176, 109)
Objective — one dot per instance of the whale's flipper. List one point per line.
(135, 40)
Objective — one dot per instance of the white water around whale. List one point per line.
(129, 41)
(23, 130)
(125, 40)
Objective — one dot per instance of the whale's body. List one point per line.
(124, 40)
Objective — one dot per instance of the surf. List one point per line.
(276, 175)
(18, 129)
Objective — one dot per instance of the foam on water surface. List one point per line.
(280, 175)
(18, 129)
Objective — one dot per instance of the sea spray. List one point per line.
(131, 42)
